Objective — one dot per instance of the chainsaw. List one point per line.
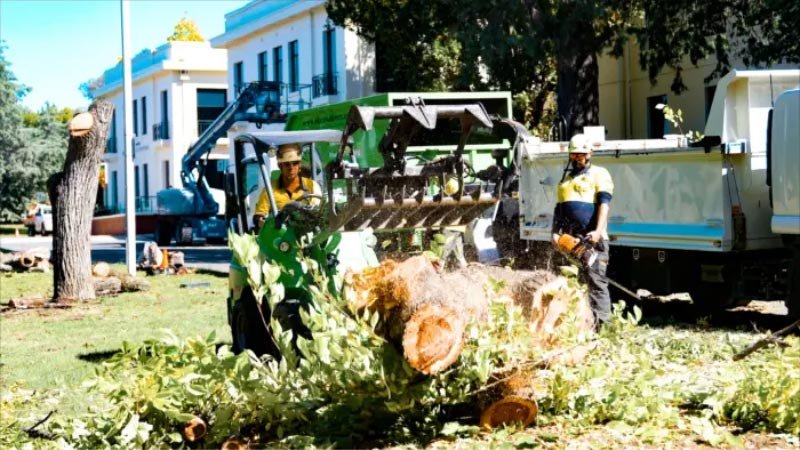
(581, 251)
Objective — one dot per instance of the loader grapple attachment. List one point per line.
(402, 195)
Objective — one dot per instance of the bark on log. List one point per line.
(73, 193)
(134, 284)
(107, 286)
(424, 313)
(27, 302)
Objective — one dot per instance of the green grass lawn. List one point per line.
(58, 348)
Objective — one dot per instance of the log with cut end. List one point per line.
(512, 400)
(424, 312)
(194, 429)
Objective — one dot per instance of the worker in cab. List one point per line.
(289, 186)
(583, 201)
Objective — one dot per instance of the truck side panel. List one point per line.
(668, 200)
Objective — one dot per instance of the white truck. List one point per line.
(719, 219)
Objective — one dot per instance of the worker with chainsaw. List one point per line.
(290, 186)
(583, 201)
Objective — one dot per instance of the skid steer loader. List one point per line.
(338, 234)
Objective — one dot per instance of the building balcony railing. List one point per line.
(324, 84)
(146, 205)
(111, 144)
(161, 130)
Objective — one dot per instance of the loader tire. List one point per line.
(247, 328)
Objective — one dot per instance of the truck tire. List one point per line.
(712, 298)
(163, 234)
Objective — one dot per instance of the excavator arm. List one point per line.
(195, 198)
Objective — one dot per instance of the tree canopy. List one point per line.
(28, 155)
(539, 47)
(186, 30)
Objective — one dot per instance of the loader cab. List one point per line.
(255, 166)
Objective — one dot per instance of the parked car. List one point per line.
(43, 220)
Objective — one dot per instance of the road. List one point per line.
(111, 249)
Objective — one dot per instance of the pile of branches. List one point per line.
(374, 369)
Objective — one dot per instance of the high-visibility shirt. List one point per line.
(578, 196)
(283, 196)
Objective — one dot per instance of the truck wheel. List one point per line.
(711, 298)
(163, 234)
(247, 327)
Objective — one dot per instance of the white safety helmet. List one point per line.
(579, 144)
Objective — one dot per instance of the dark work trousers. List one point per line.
(595, 277)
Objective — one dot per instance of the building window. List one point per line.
(262, 66)
(111, 143)
(136, 181)
(710, 91)
(114, 191)
(325, 83)
(144, 115)
(161, 130)
(210, 103)
(294, 66)
(135, 118)
(167, 184)
(277, 64)
(146, 181)
(238, 77)
(657, 127)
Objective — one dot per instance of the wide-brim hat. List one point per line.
(289, 153)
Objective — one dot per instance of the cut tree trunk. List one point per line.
(73, 193)
(424, 313)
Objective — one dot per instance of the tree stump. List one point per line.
(73, 193)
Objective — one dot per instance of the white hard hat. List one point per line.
(579, 144)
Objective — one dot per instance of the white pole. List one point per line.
(127, 102)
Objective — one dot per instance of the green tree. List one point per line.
(186, 30)
(12, 139)
(28, 154)
(536, 47)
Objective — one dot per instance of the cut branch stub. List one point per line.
(81, 124)
(433, 339)
(194, 430)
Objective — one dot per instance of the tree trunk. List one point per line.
(73, 193)
(424, 313)
(578, 94)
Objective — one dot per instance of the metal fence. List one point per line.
(161, 130)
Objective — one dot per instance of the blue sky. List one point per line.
(55, 45)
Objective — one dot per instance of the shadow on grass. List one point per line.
(684, 314)
(97, 357)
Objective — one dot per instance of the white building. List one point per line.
(178, 90)
(293, 42)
